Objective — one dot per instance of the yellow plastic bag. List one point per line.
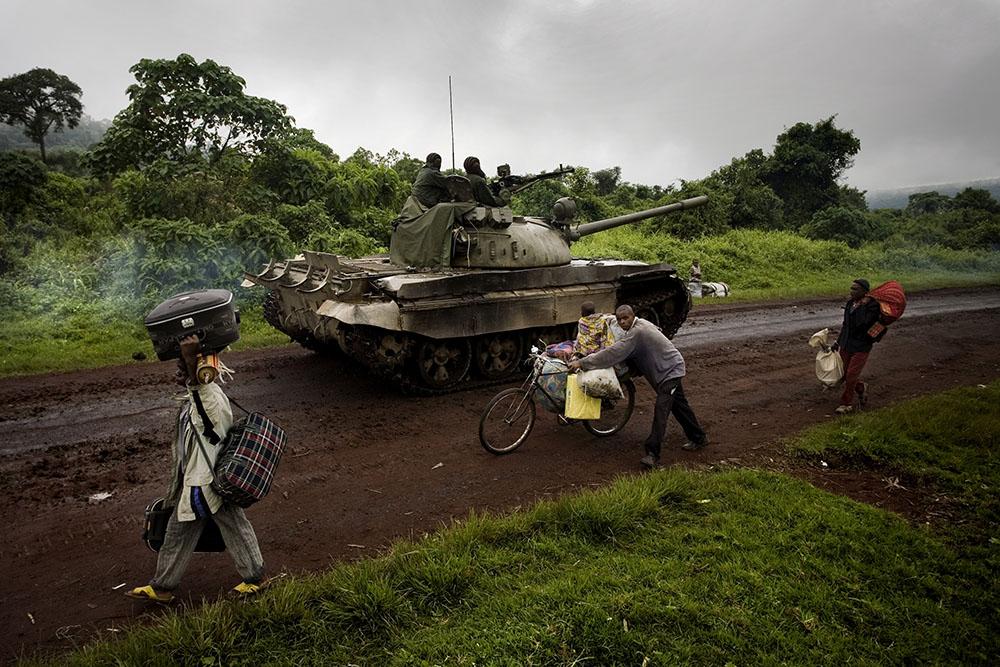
(578, 404)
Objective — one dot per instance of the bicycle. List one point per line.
(509, 417)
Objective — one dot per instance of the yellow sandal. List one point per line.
(150, 593)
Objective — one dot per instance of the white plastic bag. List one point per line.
(829, 365)
(601, 383)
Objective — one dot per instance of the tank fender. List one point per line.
(384, 315)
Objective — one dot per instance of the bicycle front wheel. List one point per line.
(507, 421)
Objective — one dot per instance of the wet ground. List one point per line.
(367, 465)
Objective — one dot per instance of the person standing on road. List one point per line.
(202, 423)
(861, 312)
(663, 367)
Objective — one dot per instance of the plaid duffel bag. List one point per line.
(250, 455)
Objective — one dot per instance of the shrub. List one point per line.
(838, 223)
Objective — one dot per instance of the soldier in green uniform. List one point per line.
(431, 186)
(480, 190)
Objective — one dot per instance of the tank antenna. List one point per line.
(451, 112)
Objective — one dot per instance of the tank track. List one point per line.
(669, 325)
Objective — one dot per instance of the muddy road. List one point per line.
(367, 465)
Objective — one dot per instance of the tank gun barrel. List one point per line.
(589, 228)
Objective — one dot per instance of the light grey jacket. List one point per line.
(646, 346)
(205, 416)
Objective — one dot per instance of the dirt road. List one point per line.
(363, 468)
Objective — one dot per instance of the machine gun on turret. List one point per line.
(513, 183)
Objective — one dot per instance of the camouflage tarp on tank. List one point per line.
(423, 236)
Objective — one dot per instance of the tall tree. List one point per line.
(40, 100)
(808, 161)
(181, 109)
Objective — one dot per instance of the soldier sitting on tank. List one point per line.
(431, 186)
(480, 190)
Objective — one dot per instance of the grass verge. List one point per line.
(780, 265)
(740, 566)
(948, 443)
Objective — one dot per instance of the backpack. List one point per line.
(892, 302)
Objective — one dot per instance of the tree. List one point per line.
(183, 110)
(840, 223)
(976, 198)
(40, 100)
(807, 162)
(923, 203)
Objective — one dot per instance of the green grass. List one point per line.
(677, 567)
(949, 442)
(89, 336)
(766, 265)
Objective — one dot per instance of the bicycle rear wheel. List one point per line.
(507, 421)
(614, 413)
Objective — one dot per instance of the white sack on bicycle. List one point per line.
(601, 383)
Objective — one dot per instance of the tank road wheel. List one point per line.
(390, 350)
(442, 364)
(497, 355)
(649, 314)
(675, 311)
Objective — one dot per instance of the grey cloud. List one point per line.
(666, 90)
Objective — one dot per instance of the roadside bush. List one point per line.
(199, 194)
(708, 220)
(838, 223)
(296, 175)
(341, 241)
(176, 255)
(301, 221)
(253, 239)
(20, 177)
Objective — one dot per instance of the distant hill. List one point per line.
(85, 135)
(899, 197)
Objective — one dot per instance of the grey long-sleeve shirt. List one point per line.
(646, 346)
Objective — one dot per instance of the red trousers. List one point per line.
(854, 362)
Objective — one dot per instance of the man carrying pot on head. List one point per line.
(663, 367)
(860, 313)
(202, 422)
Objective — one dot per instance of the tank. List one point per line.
(464, 292)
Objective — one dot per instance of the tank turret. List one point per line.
(465, 290)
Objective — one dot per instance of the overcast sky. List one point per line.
(664, 89)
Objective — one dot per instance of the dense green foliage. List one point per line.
(40, 100)
(676, 567)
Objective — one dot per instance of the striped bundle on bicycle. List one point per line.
(249, 457)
